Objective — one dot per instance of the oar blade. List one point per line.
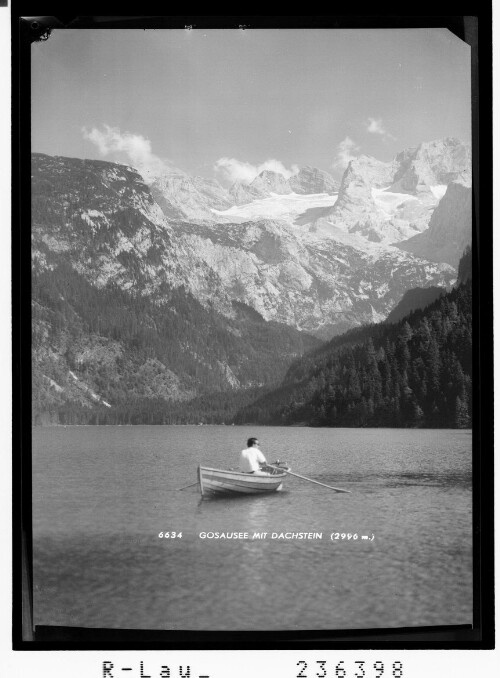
(186, 486)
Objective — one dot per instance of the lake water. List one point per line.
(102, 495)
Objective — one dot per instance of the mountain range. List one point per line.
(235, 279)
(394, 202)
(181, 196)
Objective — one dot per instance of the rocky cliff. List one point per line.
(392, 202)
(432, 163)
(313, 282)
(114, 320)
(450, 228)
(263, 186)
(183, 197)
(271, 182)
(112, 231)
(313, 180)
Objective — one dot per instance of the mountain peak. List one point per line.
(310, 180)
(365, 169)
(182, 196)
(372, 200)
(437, 162)
(274, 182)
(269, 175)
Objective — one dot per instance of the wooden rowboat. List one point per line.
(214, 481)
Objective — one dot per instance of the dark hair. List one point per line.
(251, 442)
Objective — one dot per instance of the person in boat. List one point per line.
(252, 460)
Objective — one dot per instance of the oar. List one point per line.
(316, 482)
(186, 486)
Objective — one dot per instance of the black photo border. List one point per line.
(472, 26)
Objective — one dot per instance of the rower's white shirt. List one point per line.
(250, 458)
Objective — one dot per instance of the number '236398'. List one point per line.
(357, 669)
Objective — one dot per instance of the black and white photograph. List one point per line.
(251, 299)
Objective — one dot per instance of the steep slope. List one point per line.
(183, 197)
(315, 283)
(365, 205)
(355, 208)
(450, 228)
(274, 182)
(312, 180)
(414, 373)
(128, 303)
(393, 202)
(112, 317)
(310, 277)
(101, 217)
(242, 194)
(412, 300)
(263, 186)
(103, 349)
(465, 266)
(419, 298)
(432, 163)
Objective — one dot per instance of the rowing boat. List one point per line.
(214, 481)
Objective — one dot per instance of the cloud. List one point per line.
(237, 170)
(375, 126)
(135, 147)
(347, 150)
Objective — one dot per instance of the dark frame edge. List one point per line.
(477, 32)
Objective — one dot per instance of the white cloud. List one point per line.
(374, 126)
(347, 150)
(237, 170)
(135, 147)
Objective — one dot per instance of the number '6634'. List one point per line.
(170, 535)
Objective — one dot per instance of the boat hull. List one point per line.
(218, 482)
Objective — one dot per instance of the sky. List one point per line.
(226, 104)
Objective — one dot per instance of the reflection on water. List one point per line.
(102, 496)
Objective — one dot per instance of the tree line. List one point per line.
(414, 373)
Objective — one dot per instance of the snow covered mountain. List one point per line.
(392, 202)
(320, 262)
(432, 163)
(181, 196)
(174, 289)
(291, 207)
(290, 268)
(264, 185)
(380, 202)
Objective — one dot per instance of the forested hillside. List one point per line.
(413, 373)
(103, 355)
(419, 297)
